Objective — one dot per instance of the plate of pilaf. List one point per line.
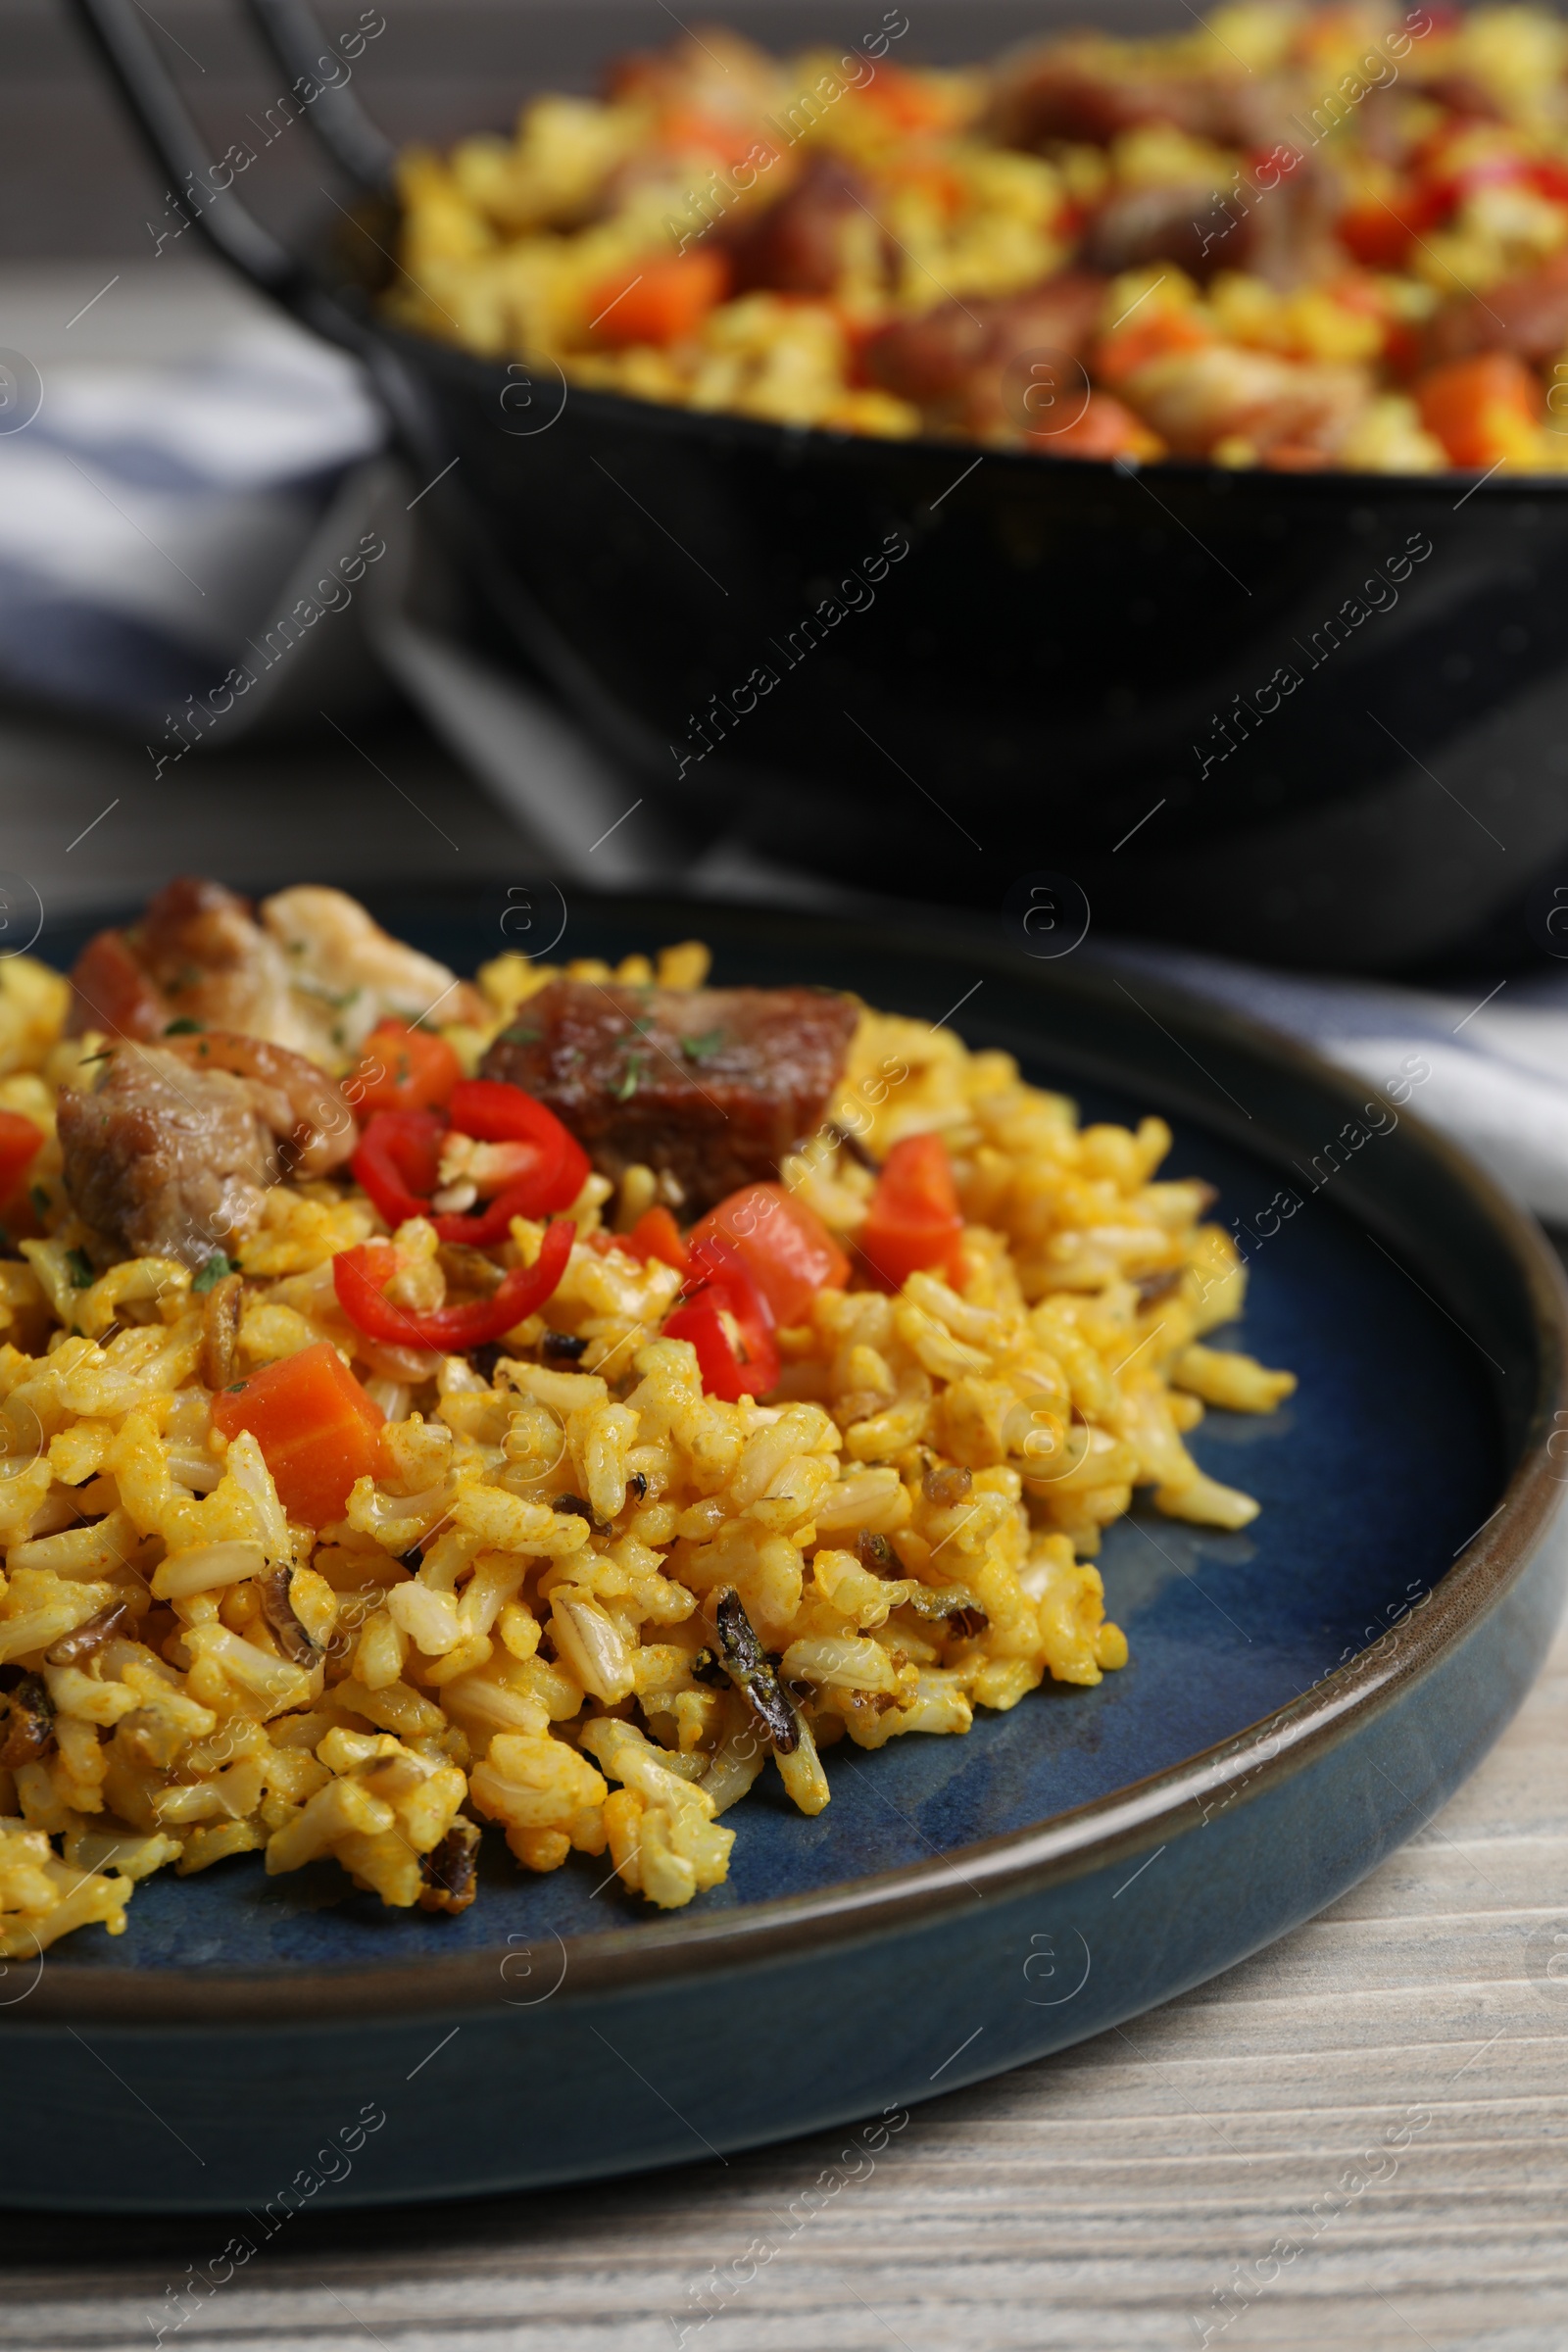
(617, 1553)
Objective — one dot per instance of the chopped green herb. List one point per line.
(39, 1198)
(183, 1027)
(521, 1037)
(213, 1272)
(704, 1048)
(627, 1084)
(191, 977)
(82, 1276)
(641, 1028)
(106, 1055)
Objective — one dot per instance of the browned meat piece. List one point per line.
(1181, 224)
(805, 240)
(1195, 399)
(1527, 315)
(112, 992)
(1462, 92)
(162, 1160)
(1089, 90)
(308, 1113)
(954, 362)
(313, 974)
(1280, 230)
(195, 955)
(171, 1153)
(710, 1087)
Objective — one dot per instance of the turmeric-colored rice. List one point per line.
(541, 1668)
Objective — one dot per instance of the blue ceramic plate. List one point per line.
(1300, 1698)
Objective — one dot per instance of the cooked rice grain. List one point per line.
(519, 1617)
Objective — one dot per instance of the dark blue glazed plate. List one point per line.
(1299, 1699)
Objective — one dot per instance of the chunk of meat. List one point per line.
(1181, 224)
(1195, 399)
(1089, 90)
(1281, 234)
(954, 362)
(315, 974)
(196, 954)
(1527, 315)
(162, 1161)
(350, 973)
(708, 1087)
(303, 1109)
(804, 242)
(1462, 93)
(171, 1153)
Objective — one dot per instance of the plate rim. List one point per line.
(1250, 1763)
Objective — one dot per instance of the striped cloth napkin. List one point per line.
(1488, 1067)
(157, 523)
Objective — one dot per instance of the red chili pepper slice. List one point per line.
(498, 1113)
(360, 1277)
(494, 1112)
(728, 1322)
(398, 1161)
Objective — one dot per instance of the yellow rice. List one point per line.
(537, 1671)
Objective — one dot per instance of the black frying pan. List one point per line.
(1318, 718)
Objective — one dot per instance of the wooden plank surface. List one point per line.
(1105, 2197)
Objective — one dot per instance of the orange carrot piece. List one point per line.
(1107, 428)
(317, 1428)
(1476, 406)
(1120, 355)
(657, 301)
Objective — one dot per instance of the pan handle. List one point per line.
(166, 125)
(292, 31)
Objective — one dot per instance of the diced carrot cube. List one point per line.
(317, 1430)
(657, 301)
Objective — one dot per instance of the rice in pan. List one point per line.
(298, 1564)
(1300, 237)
